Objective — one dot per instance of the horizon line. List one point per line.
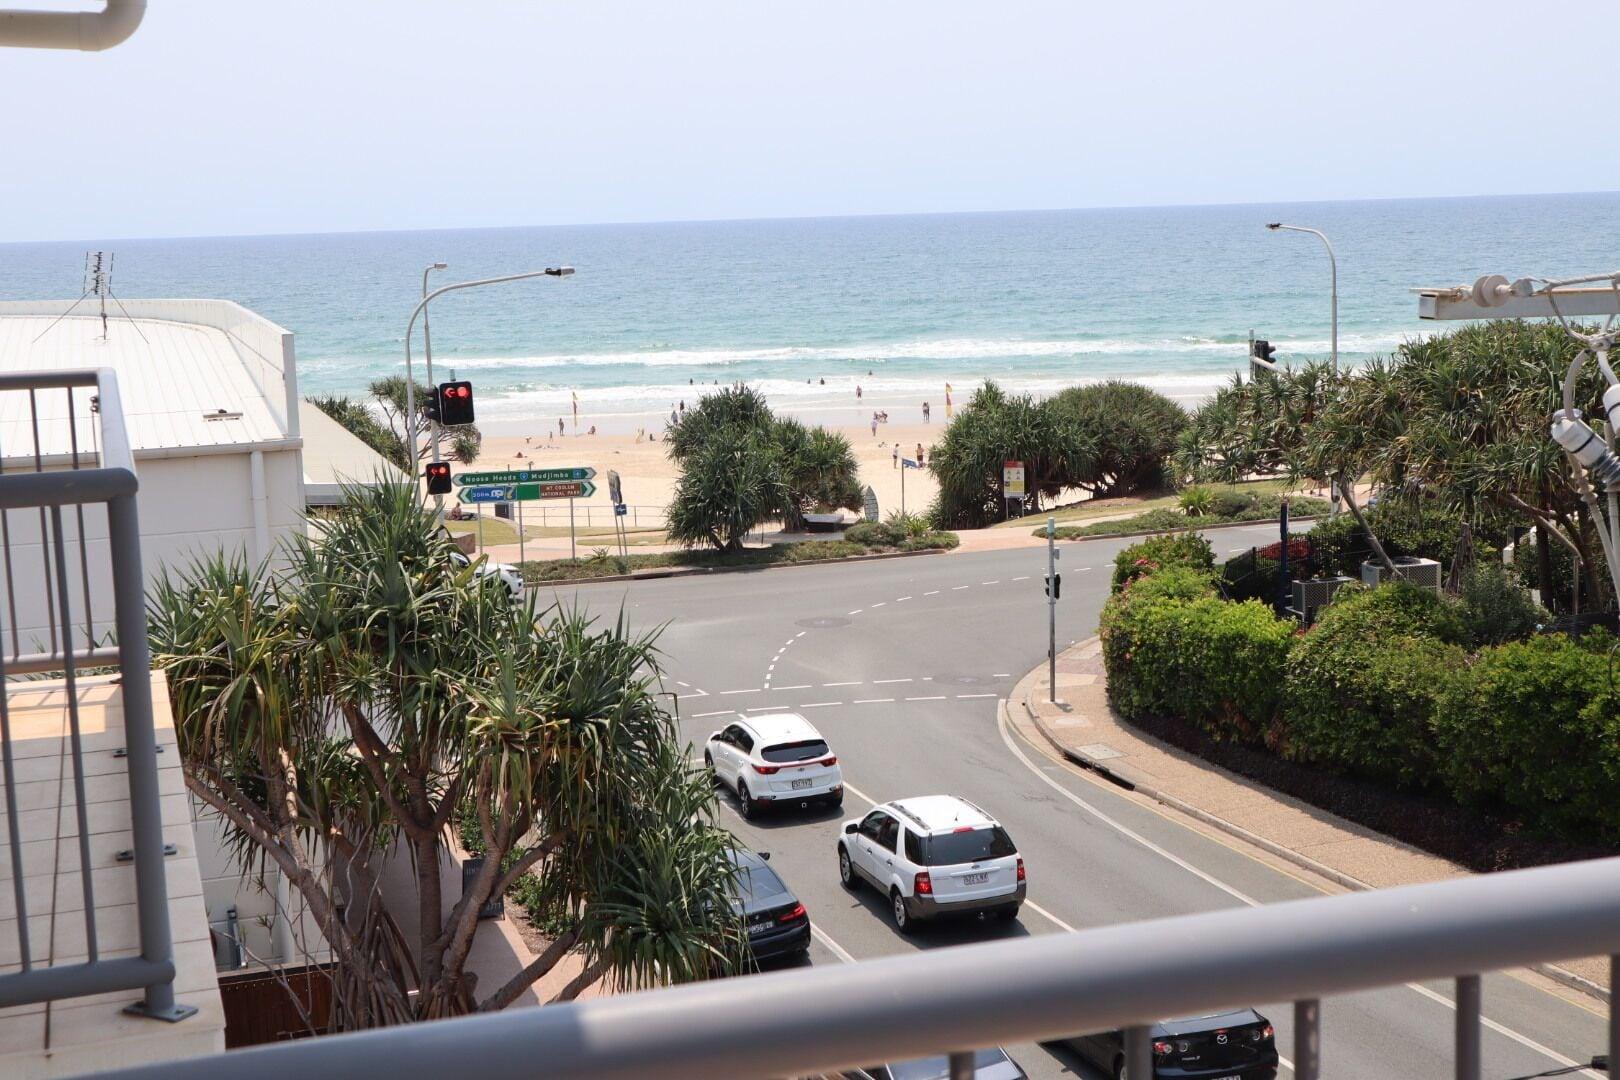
(815, 217)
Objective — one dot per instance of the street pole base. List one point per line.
(174, 1014)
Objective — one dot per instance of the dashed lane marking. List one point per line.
(1024, 577)
(901, 599)
(857, 682)
(755, 690)
(800, 686)
(931, 592)
(857, 611)
(997, 582)
(820, 704)
(872, 700)
(964, 697)
(722, 712)
(877, 681)
(936, 697)
(959, 588)
(880, 603)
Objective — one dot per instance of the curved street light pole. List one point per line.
(427, 349)
(410, 328)
(1333, 267)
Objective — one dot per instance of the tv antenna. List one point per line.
(98, 268)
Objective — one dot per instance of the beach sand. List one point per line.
(648, 477)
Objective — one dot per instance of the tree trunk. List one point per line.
(1355, 511)
(1544, 569)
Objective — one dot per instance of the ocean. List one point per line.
(809, 309)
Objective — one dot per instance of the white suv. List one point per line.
(932, 855)
(775, 759)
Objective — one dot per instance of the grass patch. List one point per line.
(1095, 508)
(502, 531)
(605, 564)
(1166, 519)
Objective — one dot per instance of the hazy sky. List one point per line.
(225, 116)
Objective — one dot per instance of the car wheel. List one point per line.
(708, 763)
(846, 869)
(1119, 1069)
(745, 802)
(902, 917)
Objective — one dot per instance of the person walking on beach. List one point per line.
(896, 455)
(857, 391)
(925, 412)
(561, 429)
(919, 456)
(874, 426)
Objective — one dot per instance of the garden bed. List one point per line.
(606, 565)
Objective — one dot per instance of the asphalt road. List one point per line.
(902, 664)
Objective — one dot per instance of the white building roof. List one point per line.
(334, 457)
(199, 375)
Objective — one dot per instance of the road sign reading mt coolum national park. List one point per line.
(499, 493)
(527, 476)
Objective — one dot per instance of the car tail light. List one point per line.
(830, 759)
(963, 828)
(923, 885)
(797, 913)
(1260, 1034)
(1020, 868)
(767, 770)
(1161, 1048)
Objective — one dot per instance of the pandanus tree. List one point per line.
(354, 704)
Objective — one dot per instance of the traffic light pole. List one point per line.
(1051, 609)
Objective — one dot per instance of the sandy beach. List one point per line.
(648, 476)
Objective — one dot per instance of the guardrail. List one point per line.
(954, 1000)
(68, 489)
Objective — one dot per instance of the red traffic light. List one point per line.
(438, 477)
(455, 403)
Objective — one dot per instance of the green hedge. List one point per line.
(1217, 664)
(1226, 509)
(1535, 726)
(1362, 686)
(1160, 553)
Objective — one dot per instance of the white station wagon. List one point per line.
(777, 759)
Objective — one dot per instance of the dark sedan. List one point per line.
(777, 923)
(1238, 1045)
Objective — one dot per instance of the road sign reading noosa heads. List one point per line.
(499, 493)
(527, 476)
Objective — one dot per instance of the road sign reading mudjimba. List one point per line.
(527, 476)
(498, 493)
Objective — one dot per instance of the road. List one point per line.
(903, 665)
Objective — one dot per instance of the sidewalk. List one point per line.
(1082, 727)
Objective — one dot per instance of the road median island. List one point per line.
(604, 566)
(1167, 520)
(1345, 829)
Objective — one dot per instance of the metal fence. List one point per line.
(817, 1020)
(70, 560)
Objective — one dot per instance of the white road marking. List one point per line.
(800, 686)
(901, 599)
(767, 708)
(872, 700)
(857, 611)
(755, 690)
(931, 592)
(722, 712)
(876, 681)
(880, 603)
(1024, 577)
(1244, 898)
(1002, 675)
(1082, 570)
(936, 697)
(857, 682)
(962, 697)
(821, 705)
(959, 588)
(832, 946)
(800, 634)
(679, 683)
(997, 582)
(1053, 919)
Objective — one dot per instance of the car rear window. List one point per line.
(757, 881)
(789, 752)
(969, 845)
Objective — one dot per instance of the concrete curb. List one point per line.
(1026, 685)
(1194, 528)
(687, 571)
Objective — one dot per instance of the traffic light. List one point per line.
(438, 478)
(455, 403)
(1261, 353)
(1054, 586)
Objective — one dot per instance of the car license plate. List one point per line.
(975, 879)
(797, 784)
(758, 928)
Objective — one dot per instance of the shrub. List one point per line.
(1174, 583)
(1362, 685)
(1131, 431)
(1231, 504)
(1250, 577)
(1159, 552)
(1562, 592)
(1535, 726)
(1216, 664)
(1495, 609)
(1196, 501)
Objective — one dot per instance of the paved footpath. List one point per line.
(1084, 729)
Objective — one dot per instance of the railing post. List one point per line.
(145, 809)
(1138, 1053)
(1468, 1001)
(962, 1065)
(1308, 1039)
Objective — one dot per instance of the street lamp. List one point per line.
(1333, 266)
(410, 327)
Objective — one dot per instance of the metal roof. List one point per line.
(185, 384)
(333, 457)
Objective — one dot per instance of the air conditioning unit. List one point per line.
(1424, 573)
(1310, 596)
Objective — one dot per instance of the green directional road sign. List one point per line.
(499, 493)
(527, 476)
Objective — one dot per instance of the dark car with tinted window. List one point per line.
(776, 923)
(1237, 1045)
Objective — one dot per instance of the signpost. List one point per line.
(526, 476)
(527, 492)
(530, 485)
(1052, 586)
(1012, 483)
(616, 496)
(905, 463)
